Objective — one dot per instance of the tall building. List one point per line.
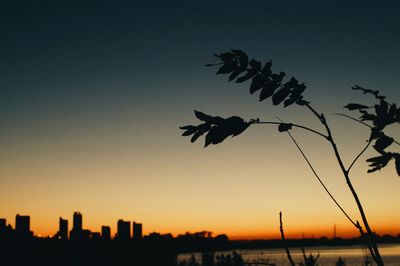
(123, 230)
(77, 233)
(105, 232)
(62, 229)
(77, 221)
(22, 226)
(3, 227)
(137, 231)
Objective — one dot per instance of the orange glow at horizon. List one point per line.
(342, 230)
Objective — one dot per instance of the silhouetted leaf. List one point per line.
(299, 89)
(392, 110)
(236, 73)
(280, 95)
(382, 143)
(368, 91)
(283, 127)
(292, 83)
(242, 56)
(355, 106)
(368, 117)
(255, 65)
(397, 163)
(236, 125)
(227, 68)
(195, 136)
(215, 135)
(189, 130)
(277, 78)
(217, 128)
(202, 116)
(375, 133)
(266, 70)
(226, 57)
(302, 102)
(248, 75)
(256, 83)
(291, 100)
(267, 91)
(382, 108)
(231, 126)
(377, 163)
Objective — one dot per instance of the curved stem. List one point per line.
(320, 181)
(361, 122)
(293, 125)
(358, 156)
(369, 234)
(354, 119)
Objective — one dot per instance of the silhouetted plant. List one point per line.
(309, 260)
(340, 262)
(383, 114)
(272, 85)
(209, 259)
(289, 256)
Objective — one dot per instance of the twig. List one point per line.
(294, 125)
(361, 122)
(358, 156)
(354, 119)
(283, 239)
(319, 179)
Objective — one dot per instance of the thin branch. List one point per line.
(320, 181)
(318, 115)
(283, 239)
(354, 119)
(369, 234)
(361, 122)
(294, 125)
(358, 156)
(368, 245)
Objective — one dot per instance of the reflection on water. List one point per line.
(353, 255)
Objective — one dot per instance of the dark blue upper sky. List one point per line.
(60, 60)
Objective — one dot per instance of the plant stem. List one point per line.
(363, 123)
(358, 156)
(284, 242)
(320, 181)
(370, 235)
(293, 125)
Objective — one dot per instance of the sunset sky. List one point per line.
(92, 94)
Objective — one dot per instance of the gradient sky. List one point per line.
(92, 94)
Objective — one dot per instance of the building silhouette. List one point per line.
(62, 229)
(77, 233)
(3, 227)
(123, 230)
(105, 232)
(22, 226)
(95, 236)
(137, 231)
(77, 221)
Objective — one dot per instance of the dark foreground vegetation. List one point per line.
(159, 251)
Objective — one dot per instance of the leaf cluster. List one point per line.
(240, 69)
(379, 116)
(216, 128)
